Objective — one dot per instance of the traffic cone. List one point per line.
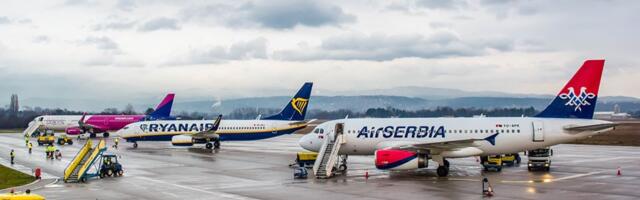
(619, 172)
(366, 174)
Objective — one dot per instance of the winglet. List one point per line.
(492, 139)
(216, 124)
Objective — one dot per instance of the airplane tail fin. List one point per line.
(577, 99)
(163, 110)
(296, 109)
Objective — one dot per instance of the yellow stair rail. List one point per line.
(74, 163)
(102, 146)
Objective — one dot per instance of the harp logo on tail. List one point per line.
(579, 100)
(299, 104)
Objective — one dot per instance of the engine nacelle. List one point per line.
(182, 140)
(400, 160)
(73, 131)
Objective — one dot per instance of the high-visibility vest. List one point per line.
(13, 154)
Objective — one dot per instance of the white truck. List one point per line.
(539, 159)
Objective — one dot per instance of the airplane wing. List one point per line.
(437, 147)
(301, 122)
(593, 127)
(211, 132)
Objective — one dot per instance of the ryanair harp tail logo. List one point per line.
(299, 104)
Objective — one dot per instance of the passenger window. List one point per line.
(502, 131)
(518, 130)
(465, 131)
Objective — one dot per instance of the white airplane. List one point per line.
(408, 143)
(189, 132)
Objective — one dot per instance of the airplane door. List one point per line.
(538, 131)
(339, 130)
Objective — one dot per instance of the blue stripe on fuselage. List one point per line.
(223, 137)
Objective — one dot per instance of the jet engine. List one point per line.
(73, 131)
(182, 140)
(400, 160)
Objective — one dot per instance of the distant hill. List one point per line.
(361, 103)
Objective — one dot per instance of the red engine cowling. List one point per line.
(400, 160)
(73, 131)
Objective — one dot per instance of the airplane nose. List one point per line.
(304, 142)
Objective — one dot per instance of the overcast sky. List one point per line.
(136, 48)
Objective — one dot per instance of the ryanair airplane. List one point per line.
(210, 133)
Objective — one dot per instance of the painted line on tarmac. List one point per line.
(218, 194)
(547, 180)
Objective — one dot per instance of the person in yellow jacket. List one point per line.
(30, 147)
(115, 141)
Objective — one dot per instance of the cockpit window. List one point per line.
(125, 128)
(40, 118)
(316, 131)
(321, 130)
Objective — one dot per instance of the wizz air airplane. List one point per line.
(93, 124)
(408, 143)
(210, 133)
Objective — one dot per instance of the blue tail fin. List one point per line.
(163, 111)
(578, 98)
(296, 109)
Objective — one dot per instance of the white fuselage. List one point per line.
(365, 136)
(57, 122)
(163, 130)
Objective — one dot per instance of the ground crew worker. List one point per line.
(58, 154)
(53, 150)
(115, 140)
(26, 140)
(30, 146)
(13, 156)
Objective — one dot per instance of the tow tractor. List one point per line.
(306, 159)
(539, 159)
(46, 139)
(511, 159)
(492, 162)
(65, 140)
(110, 166)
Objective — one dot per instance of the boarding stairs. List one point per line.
(77, 170)
(328, 158)
(33, 127)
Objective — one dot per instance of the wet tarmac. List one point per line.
(259, 170)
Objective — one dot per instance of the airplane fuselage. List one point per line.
(514, 134)
(229, 130)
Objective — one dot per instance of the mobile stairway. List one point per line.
(328, 159)
(78, 168)
(33, 127)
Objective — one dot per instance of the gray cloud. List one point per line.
(161, 23)
(253, 49)
(379, 47)
(115, 25)
(441, 4)
(102, 43)
(126, 5)
(278, 14)
(4, 20)
(43, 39)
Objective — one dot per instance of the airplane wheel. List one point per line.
(342, 167)
(105, 134)
(92, 135)
(443, 171)
(209, 145)
(216, 144)
(446, 163)
(135, 145)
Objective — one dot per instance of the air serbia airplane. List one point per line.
(93, 124)
(408, 143)
(189, 132)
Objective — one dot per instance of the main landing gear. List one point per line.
(443, 166)
(215, 144)
(135, 145)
